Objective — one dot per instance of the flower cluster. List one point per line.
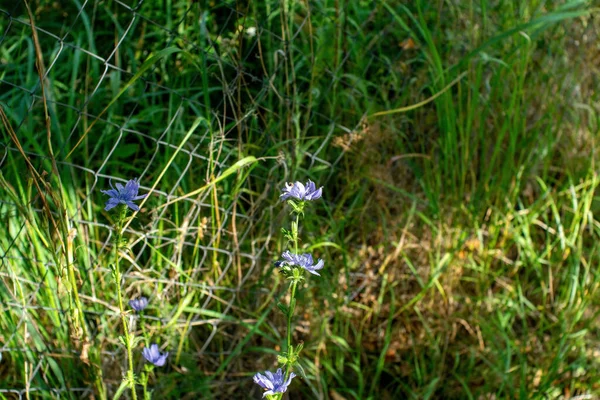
(123, 197)
(151, 354)
(292, 264)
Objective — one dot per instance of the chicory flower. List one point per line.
(124, 195)
(302, 192)
(139, 304)
(273, 382)
(154, 356)
(303, 260)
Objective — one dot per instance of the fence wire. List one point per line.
(109, 39)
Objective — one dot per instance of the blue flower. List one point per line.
(124, 195)
(273, 382)
(301, 192)
(154, 356)
(303, 260)
(139, 304)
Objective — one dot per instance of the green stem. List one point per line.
(119, 237)
(144, 380)
(145, 385)
(289, 323)
(292, 304)
(296, 233)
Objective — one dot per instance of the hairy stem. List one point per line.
(296, 233)
(289, 324)
(292, 306)
(144, 380)
(119, 237)
(145, 385)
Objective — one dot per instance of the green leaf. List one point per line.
(283, 308)
(302, 372)
(282, 360)
(136, 340)
(124, 385)
(341, 342)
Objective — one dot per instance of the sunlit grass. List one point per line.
(459, 236)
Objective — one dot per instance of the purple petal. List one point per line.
(319, 264)
(132, 184)
(286, 384)
(315, 195)
(270, 376)
(119, 187)
(161, 360)
(132, 205)
(285, 192)
(279, 375)
(110, 192)
(263, 381)
(288, 256)
(111, 203)
(300, 189)
(308, 259)
(154, 351)
(132, 188)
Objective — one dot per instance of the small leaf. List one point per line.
(282, 360)
(136, 340)
(301, 370)
(341, 342)
(124, 385)
(283, 308)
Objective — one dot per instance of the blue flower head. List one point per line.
(124, 195)
(301, 192)
(303, 260)
(139, 304)
(273, 382)
(154, 356)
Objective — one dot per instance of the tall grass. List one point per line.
(456, 144)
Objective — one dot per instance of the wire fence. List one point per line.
(92, 52)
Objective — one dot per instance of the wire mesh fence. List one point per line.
(113, 116)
